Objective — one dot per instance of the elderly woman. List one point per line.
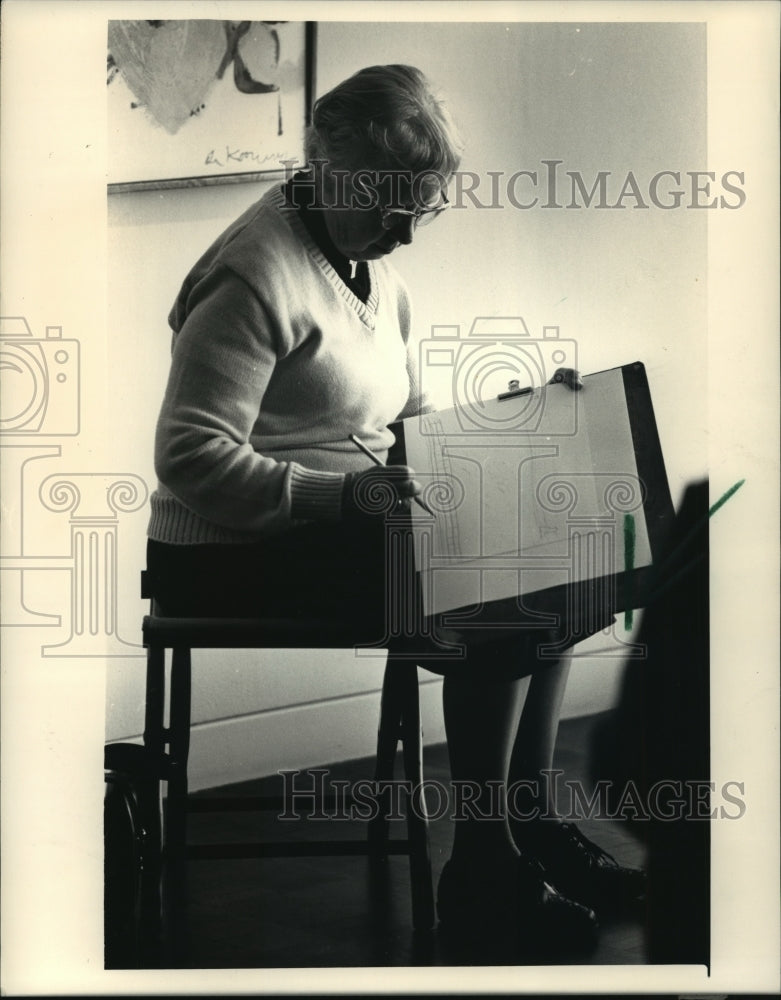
(292, 332)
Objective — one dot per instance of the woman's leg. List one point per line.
(532, 754)
(481, 721)
(577, 866)
(488, 886)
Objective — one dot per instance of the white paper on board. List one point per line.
(529, 492)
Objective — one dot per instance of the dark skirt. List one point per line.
(334, 573)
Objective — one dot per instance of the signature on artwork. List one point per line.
(229, 155)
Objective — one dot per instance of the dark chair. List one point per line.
(164, 754)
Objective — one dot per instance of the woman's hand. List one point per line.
(569, 376)
(378, 491)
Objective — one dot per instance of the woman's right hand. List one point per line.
(377, 491)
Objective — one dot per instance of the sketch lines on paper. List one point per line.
(520, 505)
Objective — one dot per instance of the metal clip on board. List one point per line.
(514, 389)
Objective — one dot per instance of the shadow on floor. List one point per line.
(332, 912)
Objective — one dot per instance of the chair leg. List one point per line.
(148, 776)
(154, 734)
(423, 916)
(388, 736)
(154, 744)
(179, 751)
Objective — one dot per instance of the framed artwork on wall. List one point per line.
(193, 102)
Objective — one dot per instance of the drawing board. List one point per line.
(541, 498)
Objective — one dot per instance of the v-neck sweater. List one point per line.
(275, 361)
(355, 274)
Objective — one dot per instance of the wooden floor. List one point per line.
(330, 912)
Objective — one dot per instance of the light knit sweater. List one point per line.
(275, 361)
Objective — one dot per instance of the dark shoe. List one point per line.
(579, 867)
(524, 909)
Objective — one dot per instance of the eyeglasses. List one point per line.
(393, 217)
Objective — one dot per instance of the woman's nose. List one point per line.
(405, 230)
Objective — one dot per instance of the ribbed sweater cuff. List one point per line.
(314, 495)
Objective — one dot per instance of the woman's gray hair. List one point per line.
(384, 118)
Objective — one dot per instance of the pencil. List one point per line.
(377, 461)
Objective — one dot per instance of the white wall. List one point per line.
(626, 284)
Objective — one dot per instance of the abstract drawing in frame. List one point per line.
(205, 101)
